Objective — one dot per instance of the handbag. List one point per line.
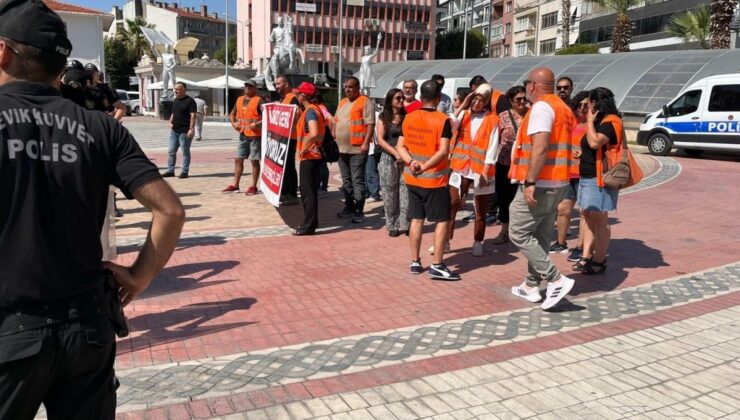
(329, 147)
(624, 172)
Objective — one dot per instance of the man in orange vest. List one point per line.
(353, 130)
(246, 118)
(423, 145)
(540, 163)
(289, 192)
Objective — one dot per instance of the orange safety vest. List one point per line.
(576, 137)
(313, 153)
(421, 134)
(248, 114)
(357, 129)
(494, 100)
(472, 151)
(613, 152)
(557, 162)
(286, 101)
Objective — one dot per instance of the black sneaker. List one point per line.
(575, 255)
(415, 267)
(441, 272)
(168, 174)
(346, 212)
(558, 248)
(183, 176)
(358, 218)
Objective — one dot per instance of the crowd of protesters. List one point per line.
(529, 156)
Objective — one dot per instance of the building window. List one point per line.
(496, 31)
(507, 28)
(507, 50)
(496, 52)
(508, 7)
(521, 49)
(549, 20)
(547, 46)
(522, 24)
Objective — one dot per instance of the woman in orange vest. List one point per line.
(310, 133)
(579, 105)
(603, 132)
(473, 162)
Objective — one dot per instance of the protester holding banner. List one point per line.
(278, 120)
(289, 192)
(310, 132)
(246, 118)
(354, 128)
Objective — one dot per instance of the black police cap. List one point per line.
(76, 79)
(91, 67)
(31, 22)
(74, 65)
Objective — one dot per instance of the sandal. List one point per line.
(594, 268)
(500, 239)
(581, 264)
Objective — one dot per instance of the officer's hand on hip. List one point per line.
(130, 288)
(529, 196)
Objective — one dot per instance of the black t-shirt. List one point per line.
(181, 110)
(446, 130)
(57, 161)
(587, 167)
(392, 133)
(96, 100)
(111, 96)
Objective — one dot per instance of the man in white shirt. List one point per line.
(200, 114)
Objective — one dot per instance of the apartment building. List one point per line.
(451, 15)
(502, 19)
(649, 19)
(538, 26)
(408, 28)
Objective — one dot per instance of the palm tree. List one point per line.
(133, 38)
(723, 11)
(622, 32)
(565, 6)
(693, 25)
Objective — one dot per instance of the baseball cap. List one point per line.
(306, 88)
(31, 22)
(250, 82)
(91, 67)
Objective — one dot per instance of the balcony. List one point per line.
(497, 37)
(530, 31)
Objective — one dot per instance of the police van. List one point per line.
(704, 116)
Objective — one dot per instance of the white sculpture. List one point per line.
(283, 53)
(168, 71)
(367, 79)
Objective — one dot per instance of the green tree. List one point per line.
(220, 53)
(118, 66)
(134, 40)
(565, 29)
(723, 11)
(693, 25)
(578, 49)
(622, 32)
(450, 45)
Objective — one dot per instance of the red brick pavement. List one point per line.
(245, 295)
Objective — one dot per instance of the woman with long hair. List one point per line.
(603, 131)
(329, 122)
(310, 132)
(473, 162)
(579, 106)
(508, 125)
(390, 168)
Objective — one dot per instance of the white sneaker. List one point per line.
(477, 249)
(556, 290)
(521, 291)
(447, 249)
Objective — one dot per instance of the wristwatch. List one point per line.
(528, 184)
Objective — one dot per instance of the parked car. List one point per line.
(704, 116)
(130, 99)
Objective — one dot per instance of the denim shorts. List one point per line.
(593, 198)
(249, 147)
(571, 193)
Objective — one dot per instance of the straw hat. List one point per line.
(485, 91)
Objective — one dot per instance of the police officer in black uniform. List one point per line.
(113, 103)
(57, 160)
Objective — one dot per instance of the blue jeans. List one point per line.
(371, 176)
(177, 141)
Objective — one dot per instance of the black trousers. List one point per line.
(505, 192)
(67, 366)
(310, 176)
(290, 180)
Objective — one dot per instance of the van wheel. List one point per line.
(659, 144)
(136, 110)
(693, 152)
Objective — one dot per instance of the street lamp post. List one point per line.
(339, 45)
(465, 28)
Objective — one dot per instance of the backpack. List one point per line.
(329, 147)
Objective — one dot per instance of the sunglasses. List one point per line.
(526, 82)
(11, 48)
(563, 87)
(582, 105)
(520, 99)
(398, 98)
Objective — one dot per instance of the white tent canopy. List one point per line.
(220, 83)
(189, 83)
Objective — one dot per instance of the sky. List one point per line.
(107, 5)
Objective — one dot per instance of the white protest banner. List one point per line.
(277, 124)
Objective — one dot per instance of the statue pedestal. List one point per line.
(165, 108)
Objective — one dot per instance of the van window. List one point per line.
(685, 104)
(725, 98)
(133, 96)
(122, 95)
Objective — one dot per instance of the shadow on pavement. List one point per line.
(463, 260)
(182, 323)
(144, 224)
(183, 243)
(145, 210)
(623, 254)
(187, 277)
(329, 205)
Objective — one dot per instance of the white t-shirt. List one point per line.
(541, 120)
